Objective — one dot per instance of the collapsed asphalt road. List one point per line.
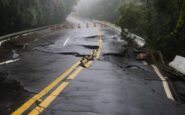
(82, 70)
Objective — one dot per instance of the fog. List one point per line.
(88, 4)
(100, 8)
(84, 6)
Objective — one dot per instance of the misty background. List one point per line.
(160, 22)
(101, 9)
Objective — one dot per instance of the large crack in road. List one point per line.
(116, 83)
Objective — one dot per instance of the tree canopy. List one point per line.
(161, 22)
(23, 14)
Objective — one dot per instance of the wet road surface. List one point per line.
(112, 83)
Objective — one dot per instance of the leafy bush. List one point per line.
(161, 22)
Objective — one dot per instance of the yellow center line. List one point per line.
(39, 109)
(31, 101)
(99, 44)
(75, 73)
(44, 104)
(89, 64)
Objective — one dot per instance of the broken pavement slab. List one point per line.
(178, 64)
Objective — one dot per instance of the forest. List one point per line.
(160, 22)
(17, 15)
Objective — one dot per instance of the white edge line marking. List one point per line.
(66, 41)
(165, 83)
(9, 61)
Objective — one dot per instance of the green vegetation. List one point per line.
(18, 15)
(160, 22)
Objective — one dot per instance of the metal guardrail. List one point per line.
(21, 32)
(114, 27)
(12, 35)
(139, 41)
(8, 37)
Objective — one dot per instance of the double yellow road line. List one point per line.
(99, 44)
(68, 75)
(45, 103)
(38, 96)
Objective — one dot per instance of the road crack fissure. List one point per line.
(76, 54)
(128, 66)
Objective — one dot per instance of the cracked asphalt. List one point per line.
(115, 84)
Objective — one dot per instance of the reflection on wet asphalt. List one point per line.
(115, 84)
